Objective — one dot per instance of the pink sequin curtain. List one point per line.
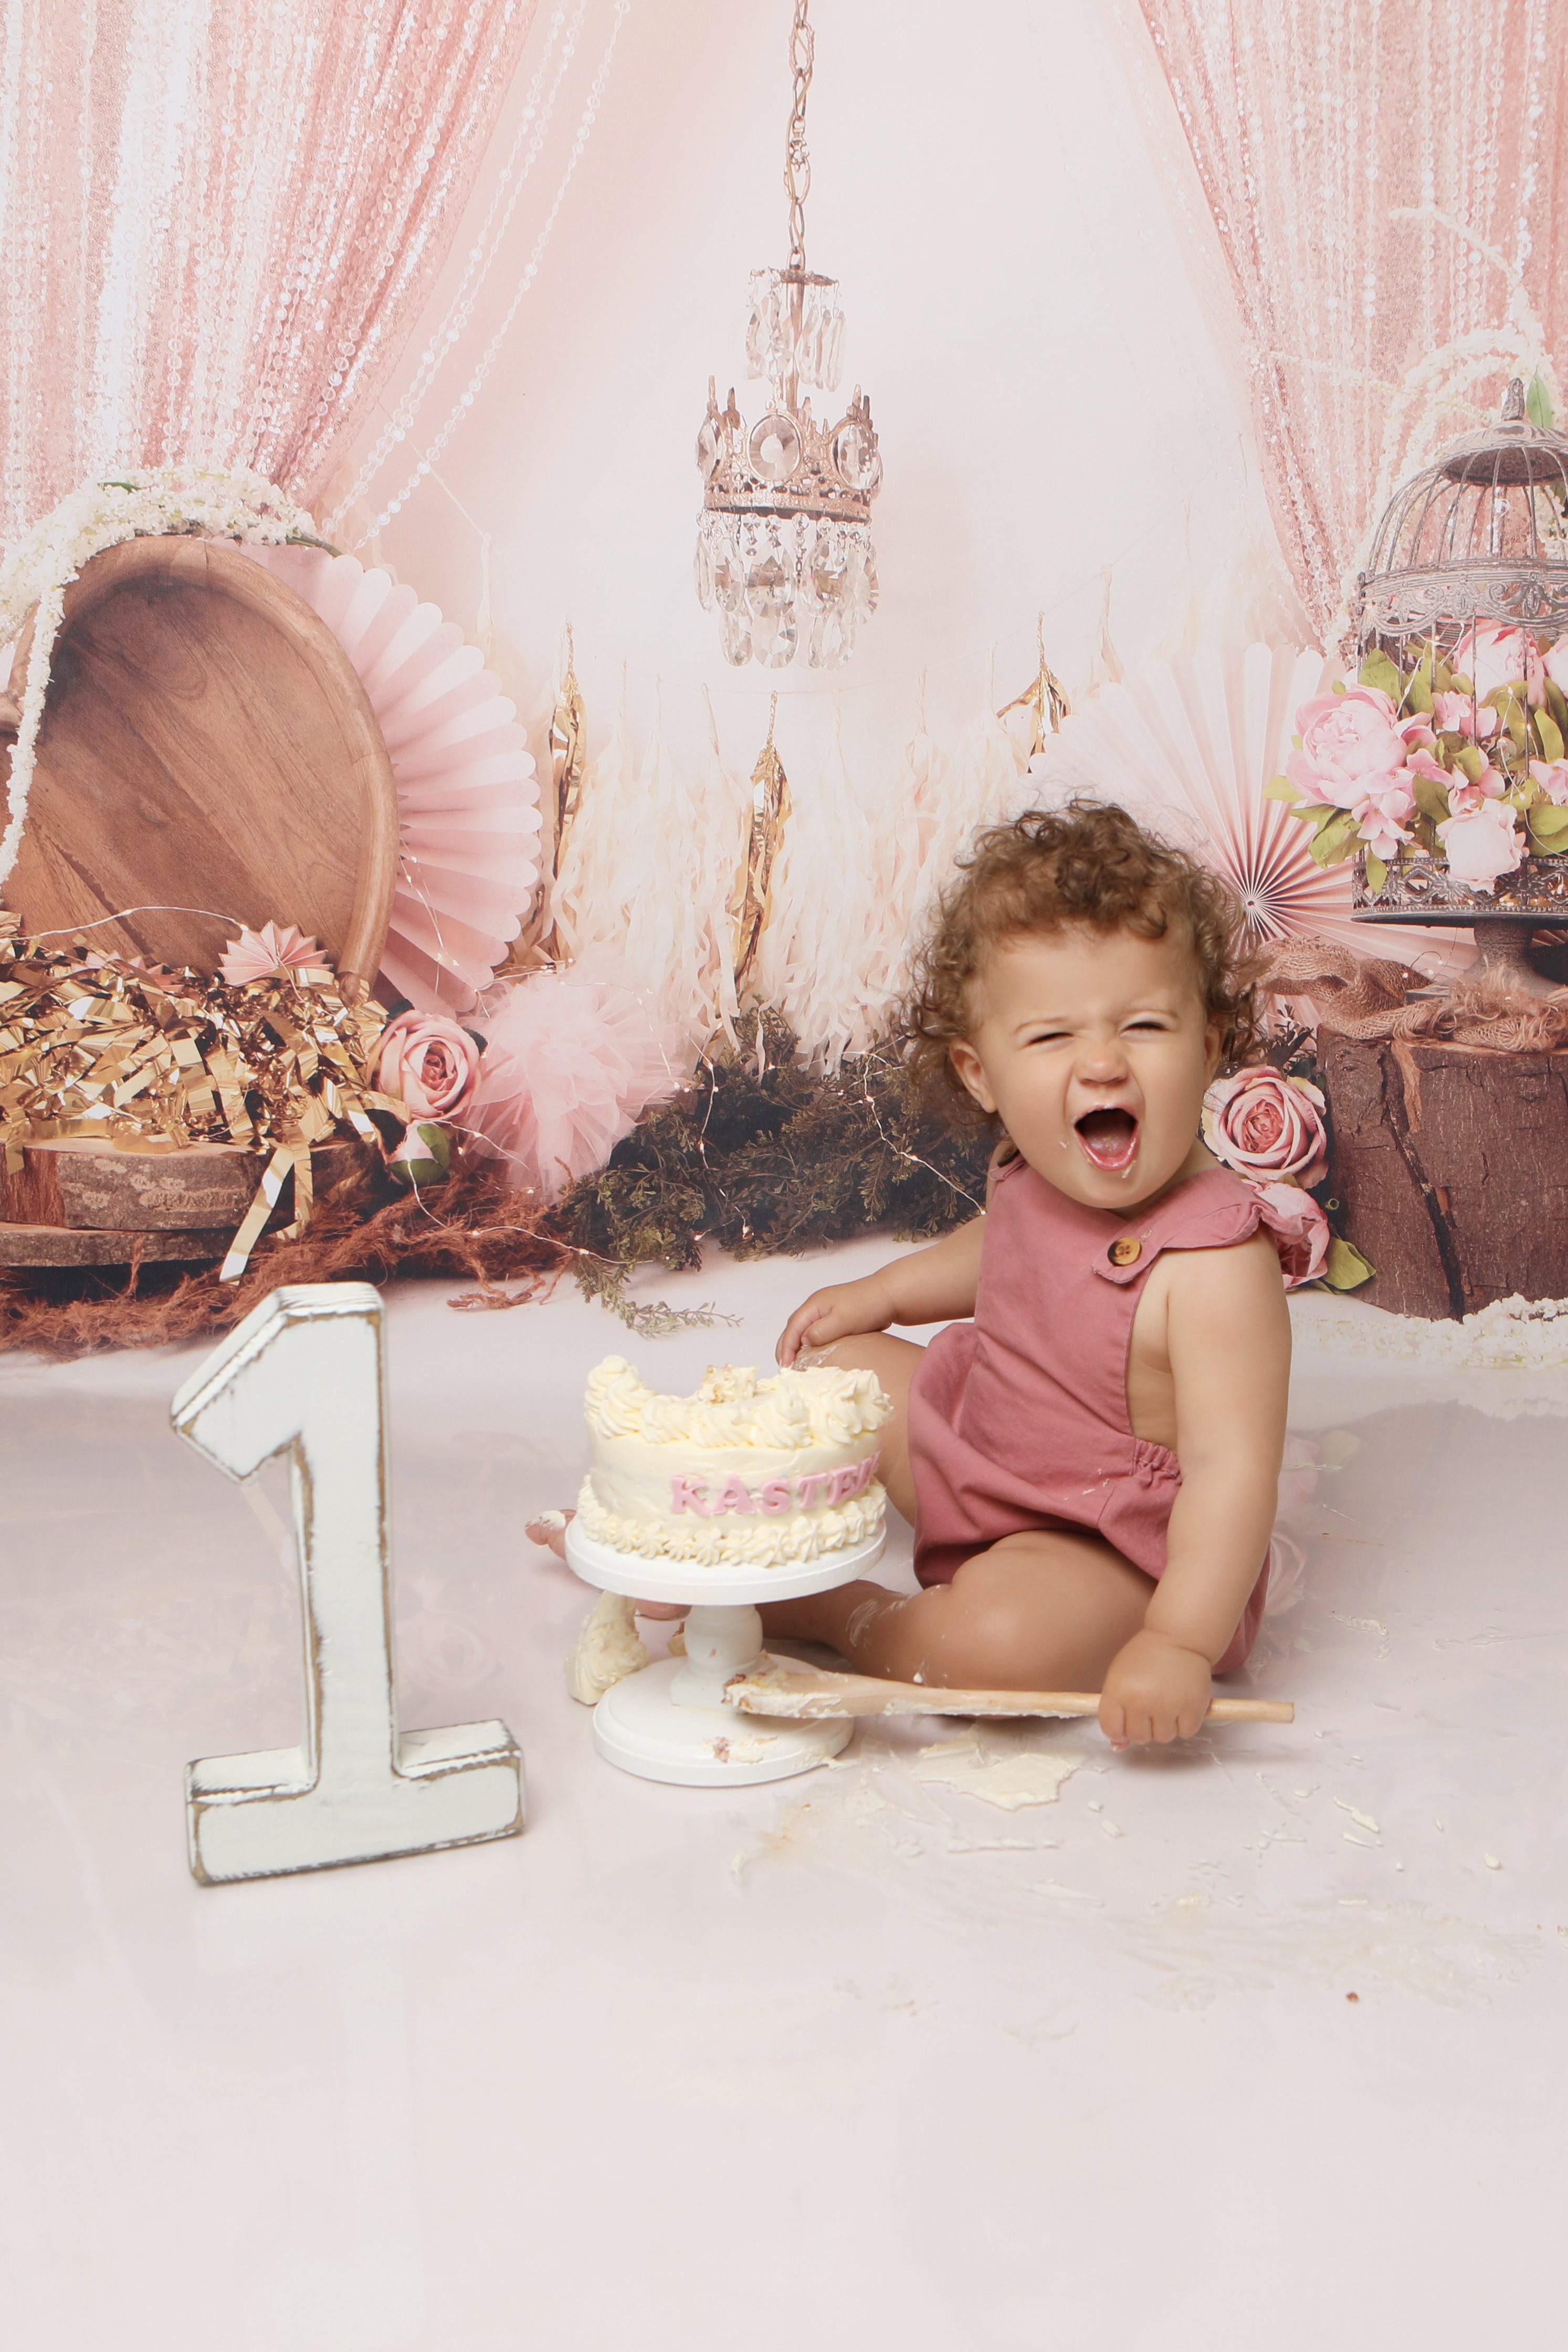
(1388, 185)
(220, 219)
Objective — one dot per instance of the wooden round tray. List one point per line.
(208, 755)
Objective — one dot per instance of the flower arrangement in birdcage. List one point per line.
(1449, 764)
(1439, 764)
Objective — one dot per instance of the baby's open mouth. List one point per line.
(1109, 1137)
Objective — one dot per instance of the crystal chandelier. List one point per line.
(784, 552)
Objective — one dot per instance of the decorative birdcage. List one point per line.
(1471, 560)
(1480, 535)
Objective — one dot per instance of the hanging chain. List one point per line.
(796, 161)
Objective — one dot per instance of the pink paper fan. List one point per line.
(256, 955)
(1188, 746)
(467, 793)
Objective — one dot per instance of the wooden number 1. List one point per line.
(305, 1374)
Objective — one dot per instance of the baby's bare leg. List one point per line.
(896, 1364)
(1037, 1612)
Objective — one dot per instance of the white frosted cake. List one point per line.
(746, 1472)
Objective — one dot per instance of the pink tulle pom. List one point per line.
(572, 1060)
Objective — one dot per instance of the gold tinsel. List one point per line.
(137, 1058)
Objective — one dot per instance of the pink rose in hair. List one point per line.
(428, 1063)
(1264, 1125)
(1491, 656)
(1349, 743)
(1482, 844)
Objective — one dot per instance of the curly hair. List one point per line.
(1088, 862)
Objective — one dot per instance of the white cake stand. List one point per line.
(669, 1722)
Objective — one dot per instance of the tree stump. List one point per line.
(1451, 1166)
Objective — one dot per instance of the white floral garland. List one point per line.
(142, 502)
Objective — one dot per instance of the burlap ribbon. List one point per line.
(1368, 999)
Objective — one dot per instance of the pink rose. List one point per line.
(1481, 843)
(1300, 1231)
(428, 1063)
(1460, 714)
(1553, 781)
(1465, 796)
(1556, 664)
(1491, 656)
(1380, 818)
(1262, 1124)
(1417, 733)
(1349, 743)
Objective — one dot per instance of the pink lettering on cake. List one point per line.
(775, 1495)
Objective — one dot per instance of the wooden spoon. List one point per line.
(808, 1694)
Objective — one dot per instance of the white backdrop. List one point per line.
(1059, 432)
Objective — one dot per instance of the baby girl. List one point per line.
(1089, 1454)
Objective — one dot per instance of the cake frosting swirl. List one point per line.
(747, 1471)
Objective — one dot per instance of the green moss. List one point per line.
(774, 1160)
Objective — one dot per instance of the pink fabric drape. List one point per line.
(220, 220)
(1387, 181)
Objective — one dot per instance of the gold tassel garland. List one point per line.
(569, 759)
(750, 900)
(1045, 697)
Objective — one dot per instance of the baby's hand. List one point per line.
(1155, 1690)
(835, 1314)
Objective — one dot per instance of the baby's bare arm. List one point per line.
(1228, 1338)
(932, 1285)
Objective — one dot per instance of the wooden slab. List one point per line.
(206, 745)
(71, 1245)
(1450, 1166)
(207, 1187)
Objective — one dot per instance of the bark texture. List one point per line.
(1450, 1165)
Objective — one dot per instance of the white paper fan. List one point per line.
(1187, 746)
(467, 793)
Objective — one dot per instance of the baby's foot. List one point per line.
(548, 1530)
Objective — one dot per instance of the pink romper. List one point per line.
(1019, 1418)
